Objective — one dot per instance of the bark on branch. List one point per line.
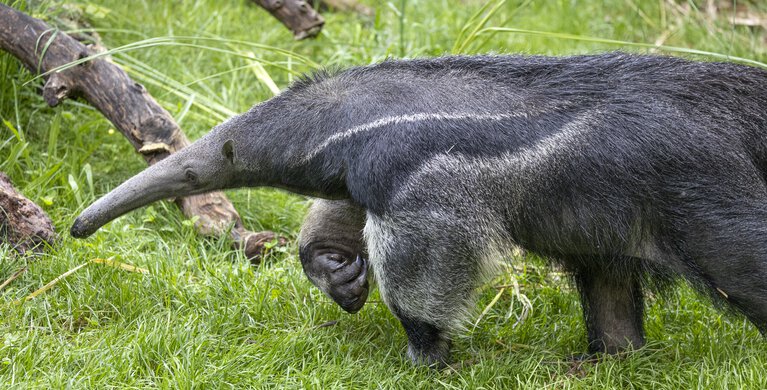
(297, 15)
(302, 19)
(23, 224)
(149, 128)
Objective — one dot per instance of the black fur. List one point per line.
(612, 164)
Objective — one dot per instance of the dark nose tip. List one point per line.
(79, 229)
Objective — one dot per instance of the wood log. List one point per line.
(23, 224)
(297, 15)
(149, 128)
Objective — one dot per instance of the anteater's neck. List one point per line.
(274, 140)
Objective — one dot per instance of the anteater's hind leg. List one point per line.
(716, 226)
(612, 300)
(726, 249)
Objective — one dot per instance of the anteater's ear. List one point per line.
(228, 150)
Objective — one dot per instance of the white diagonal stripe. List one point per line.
(410, 118)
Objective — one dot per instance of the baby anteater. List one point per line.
(615, 165)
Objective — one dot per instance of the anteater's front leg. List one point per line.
(427, 272)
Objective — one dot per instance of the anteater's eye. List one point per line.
(191, 176)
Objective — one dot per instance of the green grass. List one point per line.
(204, 317)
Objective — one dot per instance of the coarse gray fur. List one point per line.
(617, 166)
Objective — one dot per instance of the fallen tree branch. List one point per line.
(302, 19)
(23, 224)
(297, 15)
(149, 128)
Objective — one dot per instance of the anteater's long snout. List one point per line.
(160, 181)
(196, 169)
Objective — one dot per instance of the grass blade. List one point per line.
(460, 46)
(120, 265)
(573, 37)
(184, 41)
(53, 282)
(13, 277)
(489, 306)
(264, 77)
